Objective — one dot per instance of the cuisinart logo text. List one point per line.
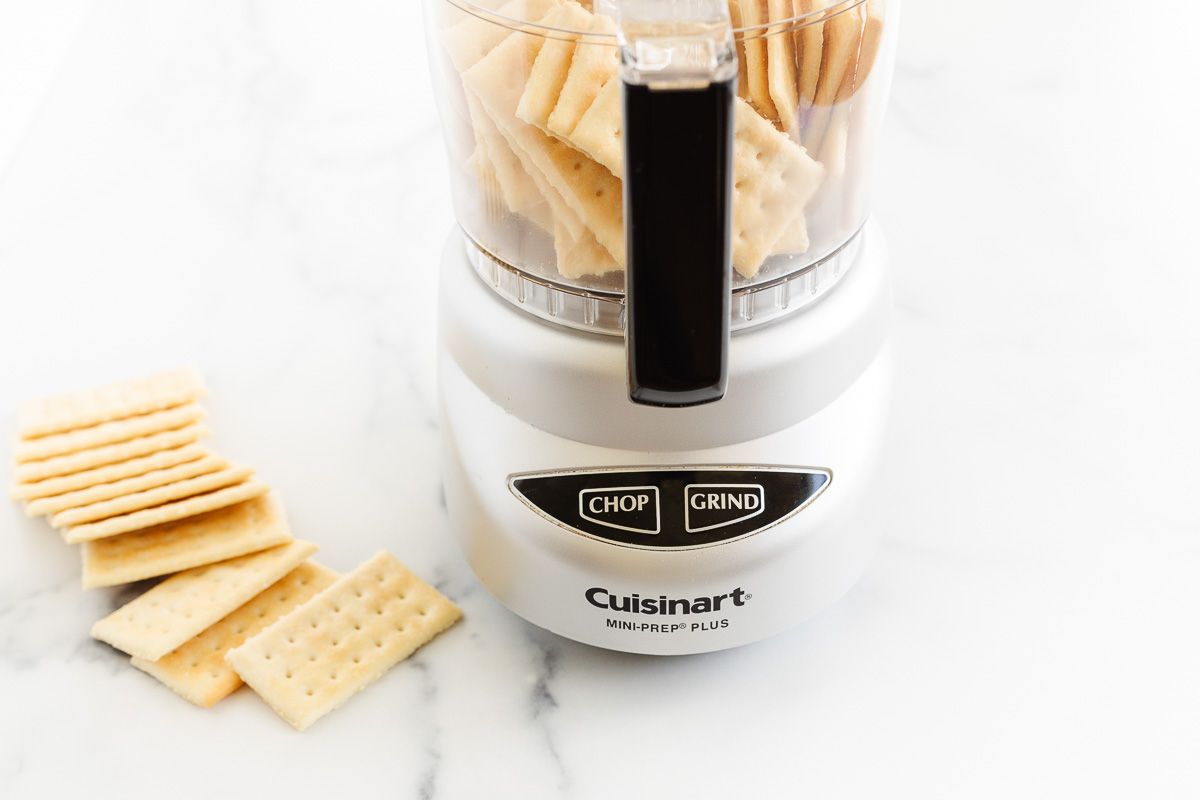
(636, 604)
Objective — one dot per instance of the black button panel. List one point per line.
(670, 507)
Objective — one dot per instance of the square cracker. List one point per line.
(590, 190)
(154, 497)
(773, 181)
(114, 401)
(118, 430)
(168, 512)
(327, 650)
(126, 486)
(196, 670)
(215, 536)
(592, 64)
(70, 463)
(550, 68)
(108, 473)
(781, 66)
(179, 608)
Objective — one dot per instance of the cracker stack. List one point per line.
(546, 114)
(120, 469)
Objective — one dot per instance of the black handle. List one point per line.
(678, 196)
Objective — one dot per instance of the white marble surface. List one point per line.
(258, 187)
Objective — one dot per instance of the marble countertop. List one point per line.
(258, 188)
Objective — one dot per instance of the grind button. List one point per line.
(626, 508)
(709, 506)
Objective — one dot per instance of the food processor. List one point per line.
(663, 317)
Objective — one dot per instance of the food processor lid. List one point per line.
(525, 15)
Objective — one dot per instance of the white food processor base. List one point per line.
(525, 399)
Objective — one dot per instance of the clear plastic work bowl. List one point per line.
(530, 99)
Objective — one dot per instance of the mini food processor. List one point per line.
(663, 318)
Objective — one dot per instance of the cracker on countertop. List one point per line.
(114, 401)
(324, 652)
(118, 430)
(109, 473)
(168, 512)
(33, 471)
(97, 492)
(154, 497)
(175, 546)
